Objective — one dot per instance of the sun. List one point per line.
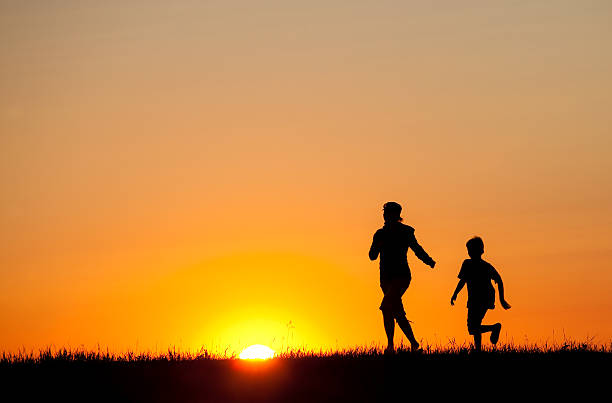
(257, 352)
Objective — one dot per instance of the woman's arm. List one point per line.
(420, 252)
(375, 248)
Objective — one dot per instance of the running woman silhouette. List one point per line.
(391, 242)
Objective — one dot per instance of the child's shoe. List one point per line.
(495, 333)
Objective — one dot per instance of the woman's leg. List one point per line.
(389, 323)
(387, 312)
(404, 324)
(402, 321)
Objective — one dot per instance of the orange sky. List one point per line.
(202, 173)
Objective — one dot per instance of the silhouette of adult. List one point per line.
(391, 242)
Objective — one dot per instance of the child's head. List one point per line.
(475, 247)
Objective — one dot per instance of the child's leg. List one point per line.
(477, 341)
(474, 322)
(494, 329)
(485, 329)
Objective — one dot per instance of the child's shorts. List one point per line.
(474, 318)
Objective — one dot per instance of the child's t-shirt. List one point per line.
(478, 275)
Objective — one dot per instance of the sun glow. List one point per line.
(257, 352)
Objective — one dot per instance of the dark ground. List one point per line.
(403, 377)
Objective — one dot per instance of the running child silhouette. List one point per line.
(477, 274)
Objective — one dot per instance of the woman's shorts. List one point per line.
(393, 289)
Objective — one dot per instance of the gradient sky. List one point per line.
(200, 173)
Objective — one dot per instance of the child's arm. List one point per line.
(500, 287)
(460, 285)
(502, 300)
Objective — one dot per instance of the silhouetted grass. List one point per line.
(372, 351)
(362, 373)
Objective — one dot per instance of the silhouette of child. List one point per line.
(477, 274)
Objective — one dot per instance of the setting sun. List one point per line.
(257, 352)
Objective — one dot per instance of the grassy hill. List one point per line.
(572, 370)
